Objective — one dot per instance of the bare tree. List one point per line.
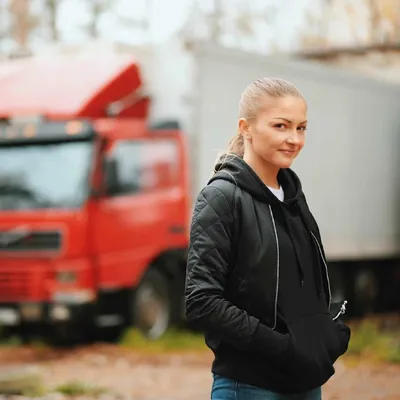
(222, 19)
(215, 21)
(315, 35)
(384, 21)
(141, 23)
(226, 25)
(3, 25)
(23, 22)
(244, 21)
(248, 21)
(203, 25)
(51, 8)
(97, 8)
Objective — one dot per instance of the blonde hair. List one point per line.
(251, 102)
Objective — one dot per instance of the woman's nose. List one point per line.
(293, 138)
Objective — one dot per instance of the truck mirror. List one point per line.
(110, 170)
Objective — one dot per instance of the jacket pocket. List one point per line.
(212, 341)
(315, 344)
(344, 333)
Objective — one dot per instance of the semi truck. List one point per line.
(93, 202)
(103, 153)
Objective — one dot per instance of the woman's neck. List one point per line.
(266, 172)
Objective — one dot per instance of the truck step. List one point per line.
(109, 320)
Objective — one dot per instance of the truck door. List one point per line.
(131, 222)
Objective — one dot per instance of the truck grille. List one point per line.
(14, 285)
(34, 241)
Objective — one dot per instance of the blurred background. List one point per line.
(112, 113)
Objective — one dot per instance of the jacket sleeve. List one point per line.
(208, 262)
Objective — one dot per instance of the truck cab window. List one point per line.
(39, 176)
(144, 166)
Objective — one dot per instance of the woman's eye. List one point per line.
(280, 126)
(302, 128)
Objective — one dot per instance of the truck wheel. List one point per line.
(64, 335)
(366, 290)
(338, 282)
(110, 334)
(152, 308)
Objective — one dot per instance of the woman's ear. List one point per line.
(244, 129)
(243, 126)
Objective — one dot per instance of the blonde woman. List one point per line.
(257, 281)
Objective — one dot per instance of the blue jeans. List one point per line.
(227, 389)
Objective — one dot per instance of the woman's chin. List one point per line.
(284, 164)
(280, 162)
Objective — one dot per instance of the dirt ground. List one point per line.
(187, 376)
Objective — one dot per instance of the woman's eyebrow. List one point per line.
(289, 121)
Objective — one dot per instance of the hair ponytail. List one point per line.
(236, 145)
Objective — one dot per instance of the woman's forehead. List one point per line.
(288, 107)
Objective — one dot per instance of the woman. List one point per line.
(257, 281)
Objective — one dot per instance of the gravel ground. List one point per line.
(131, 375)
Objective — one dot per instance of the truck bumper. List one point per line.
(18, 314)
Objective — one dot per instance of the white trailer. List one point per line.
(350, 164)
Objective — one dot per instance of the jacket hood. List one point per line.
(234, 169)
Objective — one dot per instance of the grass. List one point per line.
(15, 341)
(173, 340)
(77, 388)
(9, 340)
(12, 341)
(23, 382)
(368, 341)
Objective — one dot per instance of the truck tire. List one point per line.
(338, 282)
(65, 335)
(152, 306)
(111, 334)
(366, 290)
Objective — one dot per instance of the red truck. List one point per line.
(94, 203)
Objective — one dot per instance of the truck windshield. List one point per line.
(41, 176)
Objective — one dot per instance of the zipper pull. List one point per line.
(343, 307)
(302, 282)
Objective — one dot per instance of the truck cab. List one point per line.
(94, 204)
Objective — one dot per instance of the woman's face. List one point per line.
(277, 134)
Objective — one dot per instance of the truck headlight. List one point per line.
(31, 311)
(59, 313)
(66, 276)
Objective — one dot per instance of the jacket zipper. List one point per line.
(326, 269)
(277, 267)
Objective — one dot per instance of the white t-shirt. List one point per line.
(277, 192)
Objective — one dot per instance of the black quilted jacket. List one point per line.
(257, 283)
